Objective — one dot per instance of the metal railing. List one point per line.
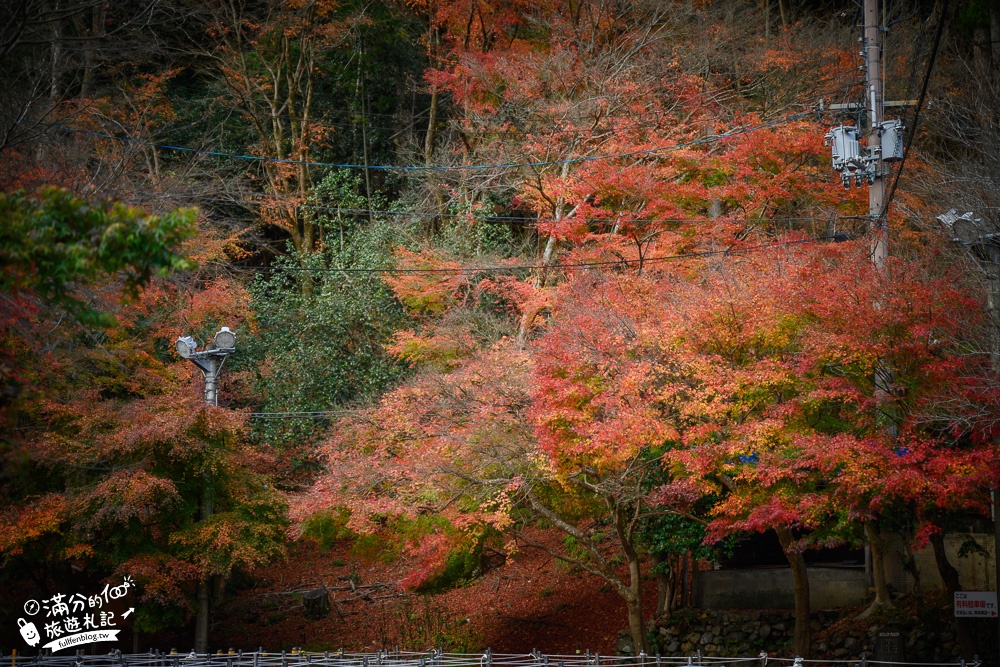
(434, 658)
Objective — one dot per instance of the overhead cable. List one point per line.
(622, 262)
(414, 168)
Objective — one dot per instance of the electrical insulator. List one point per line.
(891, 132)
(845, 147)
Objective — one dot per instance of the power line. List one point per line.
(363, 212)
(301, 414)
(916, 112)
(409, 119)
(730, 251)
(326, 414)
(413, 168)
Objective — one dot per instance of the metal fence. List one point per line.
(435, 658)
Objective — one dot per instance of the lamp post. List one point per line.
(209, 361)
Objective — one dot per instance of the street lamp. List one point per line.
(210, 360)
(984, 245)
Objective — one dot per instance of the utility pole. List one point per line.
(878, 223)
(209, 361)
(867, 164)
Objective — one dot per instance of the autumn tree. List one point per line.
(270, 63)
(54, 246)
(493, 437)
(792, 414)
(109, 439)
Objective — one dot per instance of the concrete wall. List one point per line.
(830, 588)
(772, 588)
(976, 571)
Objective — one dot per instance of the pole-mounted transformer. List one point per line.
(846, 154)
(891, 135)
(850, 159)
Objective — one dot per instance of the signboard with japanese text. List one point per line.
(975, 604)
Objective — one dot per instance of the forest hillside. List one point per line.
(428, 286)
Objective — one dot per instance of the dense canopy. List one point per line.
(495, 267)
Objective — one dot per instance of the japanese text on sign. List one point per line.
(981, 604)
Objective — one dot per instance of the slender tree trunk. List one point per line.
(785, 9)
(949, 575)
(982, 52)
(97, 29)
(685, 590)
(664, 590)
(429, 136)
(55, 55)
(995, 37)
(203, 594)
(630, 591)
(636, 624)
(429, 139)
(800, 577)
(882, 598)
(547, 257)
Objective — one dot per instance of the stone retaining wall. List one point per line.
(747, 633)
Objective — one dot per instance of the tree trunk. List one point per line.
(800, 578)
(664, 590)
(429, 136)
(630, 592)
(882, 597)
(201, 620)
(203, 594)
(55, 56)
(949, 575)
(995, 36)
(316, 604)
(633, 596)
(429, 139)
(97, 29)
(784, 7)
(547, 258)
(685, 590)
(636, 624)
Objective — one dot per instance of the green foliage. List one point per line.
(54, 242)
(463, 565)
(971, 546)
(474, 231)
(120, 454)
(376, 547)
(327, 528)
(973, 16)
(341, 208)
(672, 534)
(319, 340)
